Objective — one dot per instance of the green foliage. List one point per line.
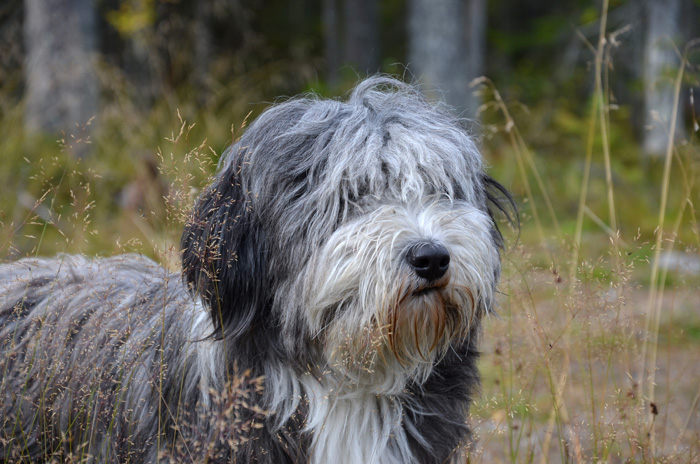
(133, 17)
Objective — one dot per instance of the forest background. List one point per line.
(113, 115)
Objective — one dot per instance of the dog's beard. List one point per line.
(411, 328)
(425, 319)
(379, 328)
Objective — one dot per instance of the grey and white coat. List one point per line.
(345, 252)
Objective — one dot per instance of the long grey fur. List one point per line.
(298, 331)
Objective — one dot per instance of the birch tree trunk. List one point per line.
(663, 19)
(61, 83)
(446, 48)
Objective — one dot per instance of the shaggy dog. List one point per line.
(335, 274)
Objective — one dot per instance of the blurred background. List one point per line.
(106, 82)
(113, 115)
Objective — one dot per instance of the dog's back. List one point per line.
(80, 355)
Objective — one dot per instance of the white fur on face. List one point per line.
(361, 278)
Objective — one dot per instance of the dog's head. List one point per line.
(360, 232)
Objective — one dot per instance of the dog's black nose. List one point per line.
(429, 260)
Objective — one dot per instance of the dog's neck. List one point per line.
(345, 418)
(346, 423)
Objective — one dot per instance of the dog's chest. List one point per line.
(359, 427)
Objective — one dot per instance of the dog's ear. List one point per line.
(224, 255)
(499, 201)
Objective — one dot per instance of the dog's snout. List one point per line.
(429, 260)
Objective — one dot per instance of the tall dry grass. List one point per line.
(594, 358)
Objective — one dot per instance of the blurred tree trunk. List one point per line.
(362, 35)
(351, 37)
(61, 83)
(143, 66)
(143, 62)
(331, 38)
(203, 50)
(475, 48)
(446, 48)
(663, 25)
